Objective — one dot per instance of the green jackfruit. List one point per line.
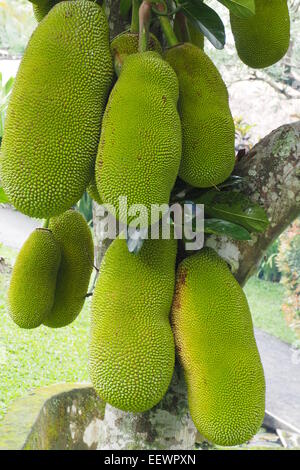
(54, 115)
(77, 254)
(33, 281)
(208, 133)
(93, 191)
(140, 144)
(42, 7)
(122, 45)
(215, 341)
(131, 342)
(262, 39)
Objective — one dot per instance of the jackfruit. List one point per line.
(132, 349)
(77, 254)
(215, 341)
(197, 38)
(54, 115)
(263, 39)
(33, 281)
(140, 144)
(42, 8)
(208, 133)
(128, 43)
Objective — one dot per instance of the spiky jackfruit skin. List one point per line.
(128, 43)
(140, 144)
(131, 353)
(54, 114)
(215, 341)
(33, 281)
(262, 39)
(208, 133)
(77, 254)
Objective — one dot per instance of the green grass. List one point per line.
(265, 300)
(34, 358)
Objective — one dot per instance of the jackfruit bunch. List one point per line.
(262, 39)
(51, 275)
(132, 353)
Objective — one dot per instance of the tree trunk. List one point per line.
(272, 178)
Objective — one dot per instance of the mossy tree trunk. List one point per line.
(272, 171)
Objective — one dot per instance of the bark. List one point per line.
(272, 171)
(272, 178)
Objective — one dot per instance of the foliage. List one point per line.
(85, 207)
(25, 362)
(5, 90)
(288, 261)
(268, 269)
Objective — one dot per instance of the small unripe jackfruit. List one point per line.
(215, 341)
(208, 133)
(33, 281)
(128, 43)
(262, 39)
(77, 254)
(131, 343)
(54, 115)
(140, 144)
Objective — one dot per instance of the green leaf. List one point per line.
(229, 229)
(8, 86)
(206, 20)
(3, 197)
(241, 8)
(125, 6)
(234, 207)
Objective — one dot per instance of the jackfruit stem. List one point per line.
(144, 22)
(183, 27)
(134, 27)
(167, 27)
(46, 223)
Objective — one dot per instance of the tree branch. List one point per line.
(272, 178)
